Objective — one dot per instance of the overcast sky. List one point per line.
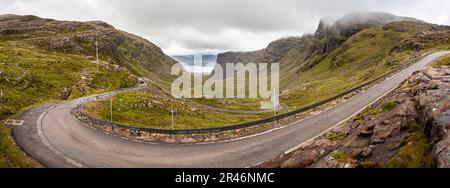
(201, 26)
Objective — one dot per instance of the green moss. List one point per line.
(370, 53)
(443, 61)
(31, 77)
(141, 108)
(367, 164)
(11, 156)
(336, 136)
(388, 106)
(416, 153)
(373, 111)
(340, 156)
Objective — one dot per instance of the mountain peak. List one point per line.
(355, 21)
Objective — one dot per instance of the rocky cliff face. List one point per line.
(115, 46)
(408, 128)
(354, 22)
(326, 38)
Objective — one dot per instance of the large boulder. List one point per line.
(309, 155)
(441, 153)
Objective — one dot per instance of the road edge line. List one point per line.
(47, 144)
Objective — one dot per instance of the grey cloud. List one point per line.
(181, 26)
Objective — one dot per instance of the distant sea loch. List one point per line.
(208, 62)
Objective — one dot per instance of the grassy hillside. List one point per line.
(443, 61)
(44, 60)
(30, 77)
(325, 68)
(140, 56)
(305, 79)
(141, 108)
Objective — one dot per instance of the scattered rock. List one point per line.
(419, 76)
(309, 154)
(188, 140)
(365, 132)
(441, 153)
(382, 132)
(65, 92)
(378, 136)
(366, 152)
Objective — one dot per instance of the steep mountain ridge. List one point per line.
(296, 50)
(354, 22)
(138, 55)
(329, 62)
(43, 60)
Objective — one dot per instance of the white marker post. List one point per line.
(172, 111)
(111, 110)
(1, 99)
(274, 102)
(96, 52)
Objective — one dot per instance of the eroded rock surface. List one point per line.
(407, 128)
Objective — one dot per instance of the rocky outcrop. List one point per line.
(440, 135)
(140, 56)
(389, 132)
(354, 22)
(309, 155)
(293, 53)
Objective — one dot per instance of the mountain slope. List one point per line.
(353, 50)
(43, 60)
(326, 38)
(135, 53)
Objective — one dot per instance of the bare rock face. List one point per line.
(64, 43)
(295, 53)
(384, 131)
(422, 106)
(115, 46)
(419, 77)
(65, 93)
(439, 133)
(309, 154)
(441, 153)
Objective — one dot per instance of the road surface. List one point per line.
(52, 136)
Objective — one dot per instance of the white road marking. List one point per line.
(14, 122)
(47, 144)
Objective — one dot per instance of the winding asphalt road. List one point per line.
(52, 136)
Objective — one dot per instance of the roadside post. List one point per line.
(96, 51)
(1, 99)
(172, 122)
(110, 107)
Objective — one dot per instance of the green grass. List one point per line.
(361, 58)
(141, 108)
(416, 153)
(11, 156)
(336, 136)
(443, 61)
(388, 106)
(31, 77)
(340, 156)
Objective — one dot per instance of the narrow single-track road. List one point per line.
(52, 136)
